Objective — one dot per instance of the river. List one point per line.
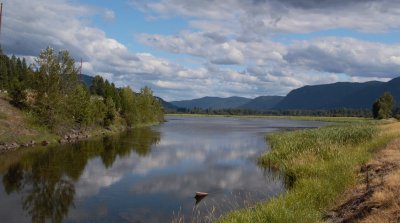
(146, 174)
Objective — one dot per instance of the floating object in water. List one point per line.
(199, 196)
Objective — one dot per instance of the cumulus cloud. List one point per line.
(268, 16)
(232, 43)
(346, 55)
(217, 49)
(242, 34)
(32, 26)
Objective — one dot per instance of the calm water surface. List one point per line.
(145, 175)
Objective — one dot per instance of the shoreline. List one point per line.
(375, 197)
(72, 137)
(319, 176)
(19, 131)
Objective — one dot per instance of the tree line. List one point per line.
(52, 90)
(384, 107)
(339, 112)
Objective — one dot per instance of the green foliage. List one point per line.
(18, 95)
(382, 108)
(97, 110)
(150, 107)
(98, 86)
(104, 89)
(60, 101)
(317, 164)
(13, 76)
(56, 85)
(129, 109)
(110, 112)
(79, 105)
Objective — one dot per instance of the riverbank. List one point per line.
(319, 165)
(18, 130)
(375, 197)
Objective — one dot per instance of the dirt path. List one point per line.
(377, 197)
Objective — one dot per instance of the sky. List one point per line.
(185, 49)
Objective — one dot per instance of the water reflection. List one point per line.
(145, 175)
(46, 179)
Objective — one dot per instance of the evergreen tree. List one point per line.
(54, 93)
(110, 112)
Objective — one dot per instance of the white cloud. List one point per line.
(346, 55)
(272, 16)
(230, 41)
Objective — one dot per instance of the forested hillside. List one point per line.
(339, 95)
(52, 91)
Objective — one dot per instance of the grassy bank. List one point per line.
(319, 164)
(18, 126)
(21, 127)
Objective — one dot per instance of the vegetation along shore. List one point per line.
(320, 165)
(48, 102)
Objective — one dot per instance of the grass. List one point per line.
(18, 126)
(379, 194)
(318, 165)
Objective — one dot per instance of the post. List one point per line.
(80, 70)
(1, 17)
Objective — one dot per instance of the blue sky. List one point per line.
(186, 49)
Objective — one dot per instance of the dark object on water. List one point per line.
(199, 196)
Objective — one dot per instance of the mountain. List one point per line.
(262, 103)
(212, 102)
(86, 79)
(339, 95)
(325, 96)
(167, 105)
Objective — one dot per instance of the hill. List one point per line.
(212, 102)
(86, 79)
(339, 95)
(318, 97)
(262, 103)
(326, 96)
(167, 105)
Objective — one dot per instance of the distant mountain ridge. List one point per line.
(340, 95)
(326, 96)
(262, 103)
(212, 102)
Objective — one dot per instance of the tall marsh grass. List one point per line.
(319, 164)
